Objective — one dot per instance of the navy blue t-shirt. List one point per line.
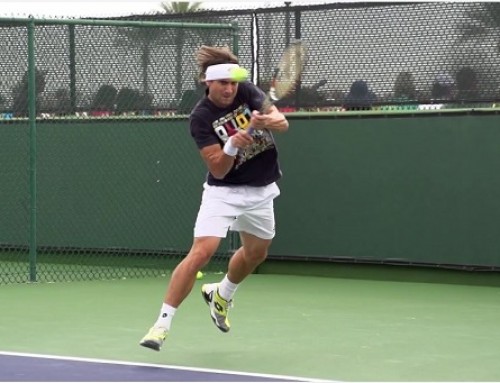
(257, 165)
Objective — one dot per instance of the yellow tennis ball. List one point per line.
(199, 275)
(239, 74)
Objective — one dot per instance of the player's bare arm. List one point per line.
(219, 163)
(273, 120)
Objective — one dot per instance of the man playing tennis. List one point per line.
(238, 193)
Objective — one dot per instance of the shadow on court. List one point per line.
(32, 368)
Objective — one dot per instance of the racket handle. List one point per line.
(251, 130)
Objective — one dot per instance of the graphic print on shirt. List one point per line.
(238, 120)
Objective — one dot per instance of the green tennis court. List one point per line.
(324, 328)
(386, 263)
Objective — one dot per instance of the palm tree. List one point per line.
(180, 36)
(146, 39)
(143, 39)
(181, 6)
(482, 22)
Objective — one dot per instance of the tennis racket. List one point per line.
(285, 76)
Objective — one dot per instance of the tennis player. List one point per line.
(238, 193)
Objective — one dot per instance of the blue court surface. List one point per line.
(22, 367)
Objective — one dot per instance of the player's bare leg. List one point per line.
(218, 296)
(184, 275)
(180, 286)
(248, 257)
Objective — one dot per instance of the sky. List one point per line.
(75, 9)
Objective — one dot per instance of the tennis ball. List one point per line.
(239, 74)
(199, 275)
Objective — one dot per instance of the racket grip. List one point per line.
(251, 130)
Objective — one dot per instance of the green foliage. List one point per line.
(105, 98)
(63, 101)
(467, 84)
(404, 86)
(480, 23)
(143, 39)
(20, 92)
(131, 100)
(181, 6)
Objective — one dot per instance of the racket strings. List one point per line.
(289, 70)
(286, 76)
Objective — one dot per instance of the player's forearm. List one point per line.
(277, 122)
(221, 160)
(220, 164)
(273, 120)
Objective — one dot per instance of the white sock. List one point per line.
(167, 313)
(227, 289)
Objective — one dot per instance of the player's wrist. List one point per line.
(230, 149)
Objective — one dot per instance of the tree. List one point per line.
(482, 22)
(143, 39)
(20, 93)
(131, 100)
(181, 6)
(105, 98)
(63, 101)
(404, 87)
(479, 38)
(146, 39)
(467, 84)
(180, 36)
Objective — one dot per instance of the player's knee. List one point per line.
(202, 251)
(201, 256)
(256, 256)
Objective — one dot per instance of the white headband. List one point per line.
(219, 71)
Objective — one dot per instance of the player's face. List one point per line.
(222, 92)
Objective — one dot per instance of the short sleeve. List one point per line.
(253, 95)
(202, 132)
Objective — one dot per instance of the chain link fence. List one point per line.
(374, 54)
(98, 70)
(84, 196)
(359, 54)
(105, 183)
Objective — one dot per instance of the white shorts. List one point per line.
(237, 208)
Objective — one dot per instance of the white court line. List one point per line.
(183, 368)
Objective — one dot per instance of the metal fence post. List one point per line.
(32, 140)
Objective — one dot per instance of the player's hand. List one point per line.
(259, 120)
(241, 139)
